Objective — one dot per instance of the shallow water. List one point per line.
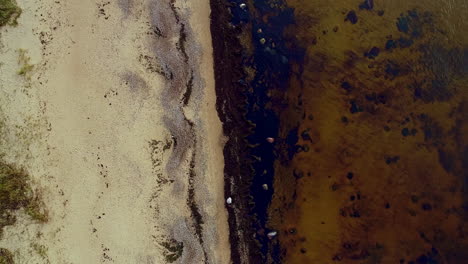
(378, 106)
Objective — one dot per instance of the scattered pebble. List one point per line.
(352, 17)
(229, 200)
(272, 234)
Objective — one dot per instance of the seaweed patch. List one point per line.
(9, 12)
(16, 193)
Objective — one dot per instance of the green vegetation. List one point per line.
(9, 12)
(41, 250)
(16, 194)
(5, 256)
(23, 61)
(173, 251)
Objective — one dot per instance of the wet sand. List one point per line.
(116, 125)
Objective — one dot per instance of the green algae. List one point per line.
(173, 250)
(6, 257)
(15, 194)
(23, 61)
(41, 250)
(9, 12)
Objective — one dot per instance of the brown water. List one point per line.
(381, 110)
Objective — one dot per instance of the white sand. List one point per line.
(91, 126)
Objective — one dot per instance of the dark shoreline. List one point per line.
(266, 85)
(252, 78)
(228, 68)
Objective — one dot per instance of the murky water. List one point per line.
(377, 113)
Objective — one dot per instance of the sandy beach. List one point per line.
(114, 120)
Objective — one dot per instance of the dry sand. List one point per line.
(126, 159)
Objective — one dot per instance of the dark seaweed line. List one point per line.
(228, 68)
(188, 91)
(190, 130)
(242, 103)
(195, 211)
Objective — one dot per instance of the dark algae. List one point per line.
(352, 17)
(231, 99)
(367, 105)
(173, 250)
(252, 69)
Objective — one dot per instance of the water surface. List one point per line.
(379, 110)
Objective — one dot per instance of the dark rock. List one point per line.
(405, 132)
(367, 4)
(426, 207)
(347, 86)
(391, 44)
(372, 53)
(355, 108)
(305, 135)
(352, 17)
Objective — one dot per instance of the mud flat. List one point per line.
(108, 107)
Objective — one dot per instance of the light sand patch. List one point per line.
(110, 146)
